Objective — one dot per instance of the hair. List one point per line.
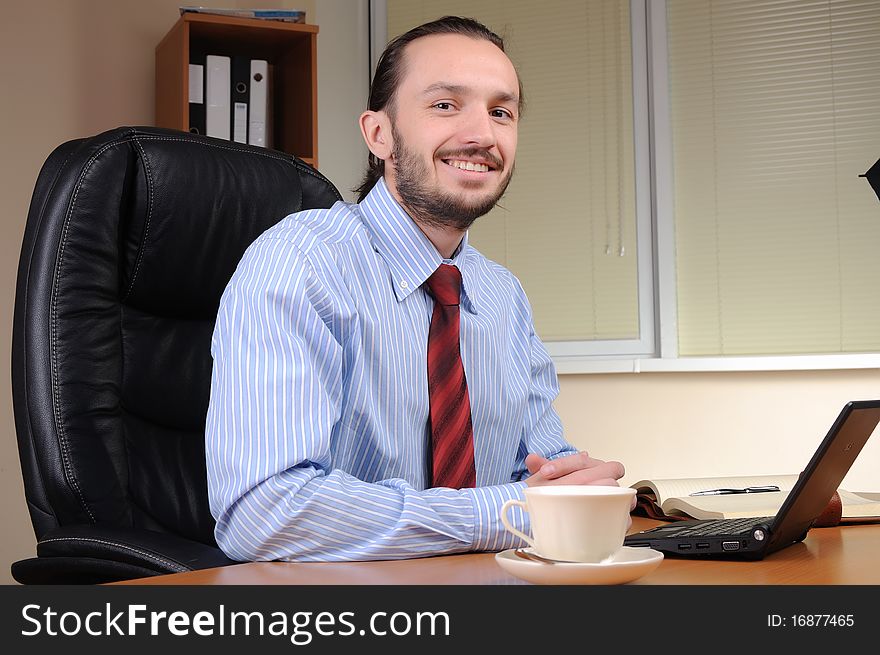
(390, 71)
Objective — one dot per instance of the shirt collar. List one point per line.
(410, 255)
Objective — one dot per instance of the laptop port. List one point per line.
(702, 545)
(730, 545)
(684, 546)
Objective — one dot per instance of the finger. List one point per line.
(534, 462)
(607, 473)
(604, 482)
(569, 464)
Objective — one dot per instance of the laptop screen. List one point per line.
(825, 471)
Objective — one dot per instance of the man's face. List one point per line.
(454, 129)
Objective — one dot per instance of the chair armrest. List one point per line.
(96, 553)
(163, 552)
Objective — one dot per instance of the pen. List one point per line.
(744, 490)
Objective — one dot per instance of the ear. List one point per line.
(376, 130)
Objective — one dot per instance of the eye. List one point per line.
(443, 106)
(501, 113)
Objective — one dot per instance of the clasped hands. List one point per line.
(579, 468)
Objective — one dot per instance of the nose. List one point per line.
(478, 128)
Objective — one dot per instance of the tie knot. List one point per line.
(445, 285)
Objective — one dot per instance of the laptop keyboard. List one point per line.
(711, 527)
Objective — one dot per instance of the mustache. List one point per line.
(475, 152)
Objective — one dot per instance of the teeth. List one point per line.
(469, 166)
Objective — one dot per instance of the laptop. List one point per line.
(753, 538)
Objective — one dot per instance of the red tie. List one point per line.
(452, 434)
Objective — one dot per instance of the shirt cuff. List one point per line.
(489, 533)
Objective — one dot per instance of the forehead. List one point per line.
(455, 59)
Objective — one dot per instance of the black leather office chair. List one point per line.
(130, 240)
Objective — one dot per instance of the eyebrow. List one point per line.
(459, 89)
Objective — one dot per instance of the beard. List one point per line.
(433, 206)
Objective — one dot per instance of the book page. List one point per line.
(683, 487)
(869, 495)
(734, 506)
(728, 506)
(859, 505)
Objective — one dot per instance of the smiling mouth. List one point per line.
(468, 165)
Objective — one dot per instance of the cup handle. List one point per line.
(509, 527)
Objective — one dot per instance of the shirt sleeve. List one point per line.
(542, 431)
(276, 393)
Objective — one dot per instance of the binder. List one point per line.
(259, 85)
(197, 98)
(217, 96)
(241, 74)
(270, 106)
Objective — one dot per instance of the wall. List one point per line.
(90, 68)
(704, 424)
(343, 85)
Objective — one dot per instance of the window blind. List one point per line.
(775, 109)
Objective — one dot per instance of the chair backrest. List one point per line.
(130, 240)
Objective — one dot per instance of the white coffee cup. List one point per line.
(574, 523)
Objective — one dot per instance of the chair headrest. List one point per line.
(190, 203)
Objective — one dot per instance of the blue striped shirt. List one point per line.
(317, 432)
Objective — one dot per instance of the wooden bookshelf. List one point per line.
(290, 49)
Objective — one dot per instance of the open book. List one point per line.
(670, 499)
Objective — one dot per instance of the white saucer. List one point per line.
(627, 564)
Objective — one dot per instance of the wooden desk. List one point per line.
(844, 555)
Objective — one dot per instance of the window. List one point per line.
(775, 110)
(710, 209)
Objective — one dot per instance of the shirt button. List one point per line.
(404, 284)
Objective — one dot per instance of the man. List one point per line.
(352, 416)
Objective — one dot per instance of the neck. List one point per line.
(445, 239)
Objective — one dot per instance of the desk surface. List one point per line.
(837, 556)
